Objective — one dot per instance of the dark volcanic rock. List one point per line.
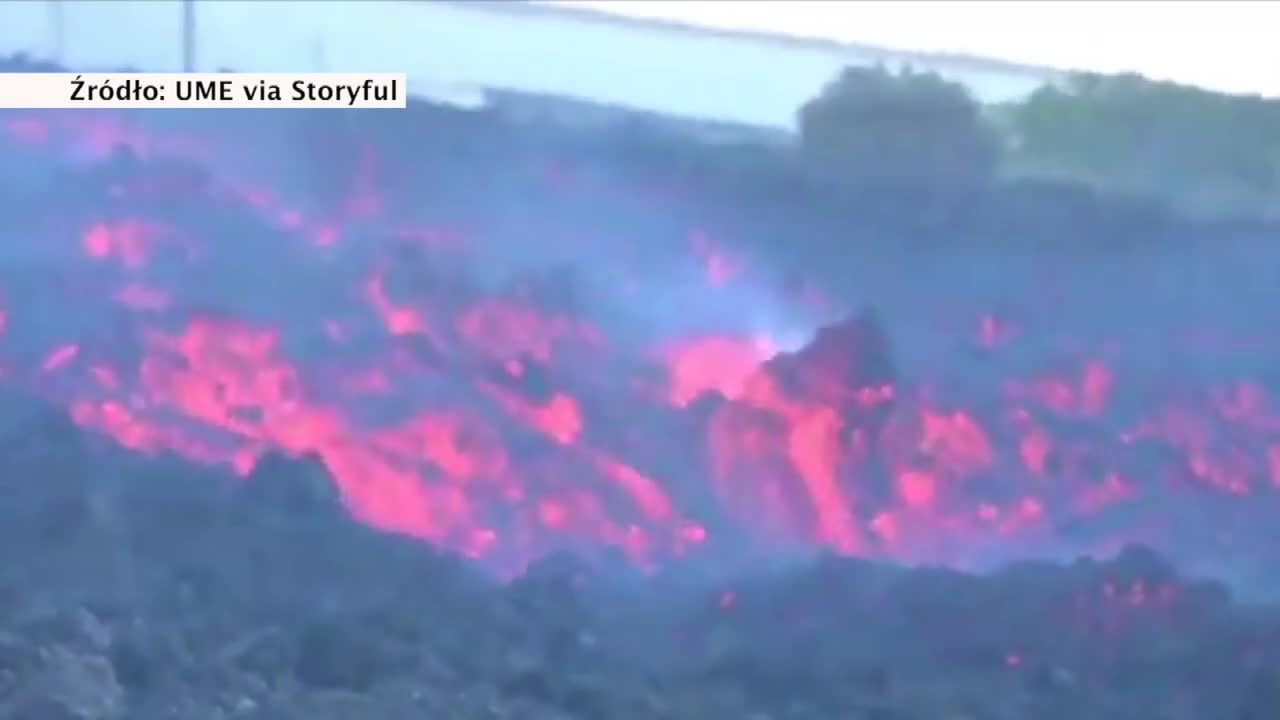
(339, 654)
(1262, 696)
(290, 490)
(185, 593)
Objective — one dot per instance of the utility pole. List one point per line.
(188, 35)
(319, 58)
(58, 23)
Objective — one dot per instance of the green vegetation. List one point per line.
(911, 129)
(1203, 152)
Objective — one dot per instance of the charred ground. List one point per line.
(151, 588)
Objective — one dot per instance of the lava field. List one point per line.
(150, 587)
(316, 417)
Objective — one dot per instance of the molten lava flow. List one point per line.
(722, 364)
(817, 412)
(498, 418)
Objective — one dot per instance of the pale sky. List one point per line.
(455, 48)
(1221, 44)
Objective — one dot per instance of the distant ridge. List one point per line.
(557, 108)
(957, 61)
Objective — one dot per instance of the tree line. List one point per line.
(1198, 150)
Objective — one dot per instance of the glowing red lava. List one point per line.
(504, 425)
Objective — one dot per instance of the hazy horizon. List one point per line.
(1221, 45)
(454, 49)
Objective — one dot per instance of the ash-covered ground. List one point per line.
(440, 414)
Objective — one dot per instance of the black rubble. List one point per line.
(141, 588)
